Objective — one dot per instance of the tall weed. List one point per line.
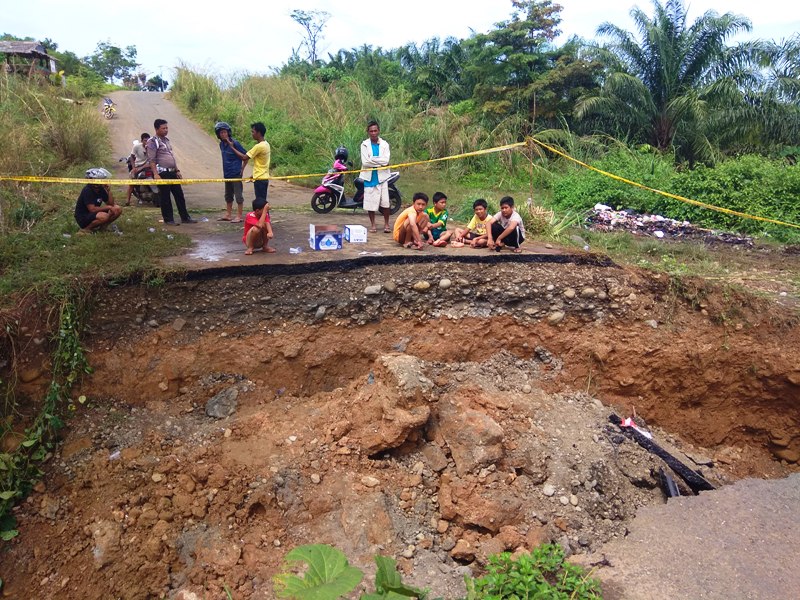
(306, 120)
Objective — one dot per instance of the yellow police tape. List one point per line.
(727, 211)
(34, 179)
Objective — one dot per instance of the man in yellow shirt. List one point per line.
(260, 153)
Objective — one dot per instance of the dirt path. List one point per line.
(197, 152)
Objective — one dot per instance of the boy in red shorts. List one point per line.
(258, 227)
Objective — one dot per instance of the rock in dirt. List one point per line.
(422, 286)
(474, 438)
(372, 290)
(179, 324)
(105, 536)
(556, 317)
(487, 508)
(223, 404)
(434, 457)
(445, 284)
(406, 373)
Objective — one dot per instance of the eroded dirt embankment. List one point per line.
(437, 422)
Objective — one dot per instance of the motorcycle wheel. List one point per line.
(109, 114)
(394, 202)
(323, 202)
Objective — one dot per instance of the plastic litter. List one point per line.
(66, 235)
(605, 218)
(170, 236)
(114, 455)
(365, 253)
(295, 250)
(151, 229)
(630, 423)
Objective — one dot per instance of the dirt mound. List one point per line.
(392, 410)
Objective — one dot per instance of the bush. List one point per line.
(749, 184)
(307, 119)
(543, 574)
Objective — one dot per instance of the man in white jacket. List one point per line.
(375, 153)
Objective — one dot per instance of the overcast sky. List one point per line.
(255, 37)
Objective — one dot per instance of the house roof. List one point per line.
(15, 47)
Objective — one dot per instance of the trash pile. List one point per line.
(605, 218)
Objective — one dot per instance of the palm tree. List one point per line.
(662, 86)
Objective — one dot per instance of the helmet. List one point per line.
(341, 154)
(220, 126)
(98, 173)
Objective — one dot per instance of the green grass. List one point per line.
(52, 252)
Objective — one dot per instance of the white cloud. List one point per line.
(255, 37)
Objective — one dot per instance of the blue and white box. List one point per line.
(355, 234)
(324, 237)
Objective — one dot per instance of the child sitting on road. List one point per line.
(258, 227)
(438, 216)
(506, 227)
(475, 233)
(413, 223)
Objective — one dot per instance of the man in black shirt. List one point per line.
(95, 206)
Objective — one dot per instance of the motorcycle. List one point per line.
(108, 108)
(143, 193)
(330, 193)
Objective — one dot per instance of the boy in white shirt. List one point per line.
(506, 227)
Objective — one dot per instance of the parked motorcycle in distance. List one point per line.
(330, 193)
(108, 108)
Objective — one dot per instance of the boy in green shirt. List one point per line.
(438, 215)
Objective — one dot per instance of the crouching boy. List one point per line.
(258, 227)
(507, 228)
(413, 223)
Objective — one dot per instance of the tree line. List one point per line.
(671, 85)
(108, 63)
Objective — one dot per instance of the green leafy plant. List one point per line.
(389, 585)
(543, 574)
(328, 574)
(20, 469)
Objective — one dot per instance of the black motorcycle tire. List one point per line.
(394, 202)
(323, 202)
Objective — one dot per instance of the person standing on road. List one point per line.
(375, 153)
(162, 162)
(137, 161)
(232, 168)
(261, 154)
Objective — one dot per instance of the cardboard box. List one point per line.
(324, 237)
(355, 234)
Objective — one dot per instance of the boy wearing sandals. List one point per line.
(475, 233)
(413, 223)
(438, 216)
(506, 227)
(258, 228)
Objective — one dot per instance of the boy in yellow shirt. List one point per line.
(475, 233)
(260, 153)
